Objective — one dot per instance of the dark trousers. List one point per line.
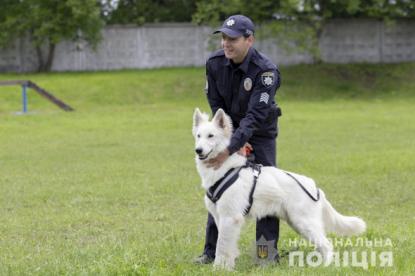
(268, 227)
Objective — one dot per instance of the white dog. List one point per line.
(276, 194)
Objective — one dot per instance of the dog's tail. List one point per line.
(339, 224)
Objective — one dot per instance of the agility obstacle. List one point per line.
(29, 84)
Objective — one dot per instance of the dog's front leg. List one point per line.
(227, 245)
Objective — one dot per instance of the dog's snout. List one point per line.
(198, 150)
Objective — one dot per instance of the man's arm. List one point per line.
(214, 98)
(259, 106)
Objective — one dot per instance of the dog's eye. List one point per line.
(210, 135)
(198, 136)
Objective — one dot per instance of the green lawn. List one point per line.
(112, 188)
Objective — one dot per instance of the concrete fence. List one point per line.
(168, 45)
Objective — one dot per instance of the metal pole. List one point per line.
(24, 98)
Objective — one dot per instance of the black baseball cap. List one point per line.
(236, 26)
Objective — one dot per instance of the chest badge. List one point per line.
(248, 84)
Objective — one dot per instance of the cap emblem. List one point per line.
(230, 22)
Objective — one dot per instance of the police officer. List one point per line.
(243, 82)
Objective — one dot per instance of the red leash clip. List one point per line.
(247, 151)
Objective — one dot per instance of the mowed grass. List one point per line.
(112, 188)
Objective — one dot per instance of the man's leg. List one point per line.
(211, 239)
(267, 233)
(268, 227)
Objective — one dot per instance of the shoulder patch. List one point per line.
(268, 78)
(263, 62)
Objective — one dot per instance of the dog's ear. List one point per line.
(198, 117)
(219, 118)
(223, 121)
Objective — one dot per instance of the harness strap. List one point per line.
(215, 192)
(256, 170)
(304, 189)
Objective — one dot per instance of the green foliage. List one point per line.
(149, 11)
(48, 22)
(380, 9)
(261, 11)
(215, 11)
(299, 23)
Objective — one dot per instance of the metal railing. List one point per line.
(29, 84)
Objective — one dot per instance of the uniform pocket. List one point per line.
(273, 115)
(222, 90)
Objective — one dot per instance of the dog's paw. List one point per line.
(222, 262)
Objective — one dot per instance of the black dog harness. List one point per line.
(215, 192)
(304, 189)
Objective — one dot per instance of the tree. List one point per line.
(214, 11)
(48, 22)
(150, 11)
(299, 23)
(379, 9)
(265, 10)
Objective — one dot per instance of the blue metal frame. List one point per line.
(24, 98)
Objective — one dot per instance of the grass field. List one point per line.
(112, 189)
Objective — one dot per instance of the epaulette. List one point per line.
(218, 53)
(263, 62)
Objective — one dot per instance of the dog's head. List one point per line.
(211, 137)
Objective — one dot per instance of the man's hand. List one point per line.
(218, 160)
(222, 156)
(245, 150)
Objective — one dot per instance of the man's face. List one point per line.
(236, 48)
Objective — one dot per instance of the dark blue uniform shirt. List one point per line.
(246, 93)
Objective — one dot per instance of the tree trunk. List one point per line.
(51, 54)
(45, 65)
(40, 63)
